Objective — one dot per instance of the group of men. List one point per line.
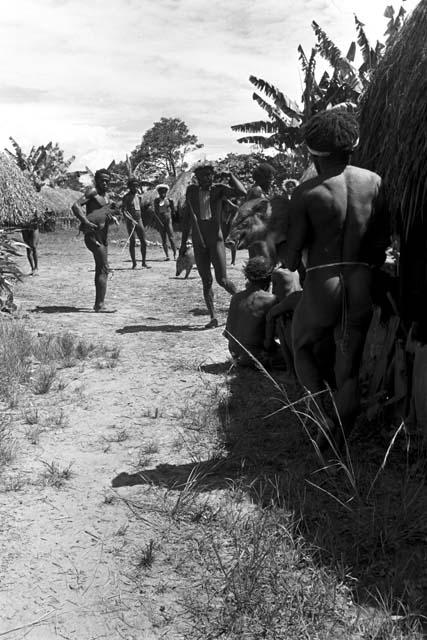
(338, 226)
(337, 230)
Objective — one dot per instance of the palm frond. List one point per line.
(363, 42)
(282, 102)
(259, 126)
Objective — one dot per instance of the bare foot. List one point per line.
(212, 324)
(145, 266)
(103, 309)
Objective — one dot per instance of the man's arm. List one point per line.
(269, 326)
(78, 211)
(297, 230)
(172, 207)
(236, 188)
(186, 227)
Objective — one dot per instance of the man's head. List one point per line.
(263, 175)
(204, 175)
(332, 135)
(258, 272)
(162, 190)
(133, 184)
(102, 180)
(290, 185)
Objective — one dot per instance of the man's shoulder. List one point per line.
(360, 172)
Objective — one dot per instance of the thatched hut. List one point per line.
(59, 201)
(394, 144)
(179, 188)
(19, 202)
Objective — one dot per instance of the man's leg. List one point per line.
(140, 231)
(100, 255)
(203, 263)
(305, 336)
(164, 242)
(218, 258)
(28, 236)
(131, 233)
(169, 233)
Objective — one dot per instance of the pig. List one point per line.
(185, 263)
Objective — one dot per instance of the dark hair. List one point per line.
(334, 130)
(204, 169)
(133, 180)
(263, 171)
(258, 269)
(102, 172)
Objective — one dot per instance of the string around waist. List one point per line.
(338, 264)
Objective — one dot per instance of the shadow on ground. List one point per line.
(164, 328)
(365, 522)
(61, 309)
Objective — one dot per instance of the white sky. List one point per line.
(93, 75)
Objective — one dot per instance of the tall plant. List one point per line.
(44, 165)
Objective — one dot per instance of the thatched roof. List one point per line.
(19, 201)
(393, 136)
(178, 190)
(59, 201)
(175, 193)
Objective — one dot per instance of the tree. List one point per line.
(344, 84)
(163, 148)
(290, 164)
(44, 165)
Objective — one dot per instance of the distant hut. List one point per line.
(19, 202)
(394, 144)
(57, 203)
(179, 189)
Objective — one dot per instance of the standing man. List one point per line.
(132, 207)
(203, 216)
(31, 237)
(263, 177)
(164, 210)
(96, 230)
(339, 217)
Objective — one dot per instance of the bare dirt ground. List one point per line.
(154, 410)
(61, 549)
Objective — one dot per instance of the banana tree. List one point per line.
(44, 165)
(344, 84)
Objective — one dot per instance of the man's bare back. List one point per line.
(336, 210)
(246, 319)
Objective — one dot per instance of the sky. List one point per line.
(94, 75)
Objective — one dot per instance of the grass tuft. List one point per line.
(56, 476)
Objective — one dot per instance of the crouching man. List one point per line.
(247, 317)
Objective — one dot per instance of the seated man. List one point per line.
(246, 321)
(288, 291)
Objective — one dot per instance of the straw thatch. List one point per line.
(19, 201)
(59, 201)
(393, 136)
(179, 189)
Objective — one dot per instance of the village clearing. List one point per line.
(220, 523)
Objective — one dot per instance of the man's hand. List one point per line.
(89, 224)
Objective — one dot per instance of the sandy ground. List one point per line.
(65, 565)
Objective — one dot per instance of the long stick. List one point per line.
(126, 215)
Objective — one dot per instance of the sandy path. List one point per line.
(60, 548)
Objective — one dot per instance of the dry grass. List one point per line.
(292, 547)
(7, 442)
(55, 475)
